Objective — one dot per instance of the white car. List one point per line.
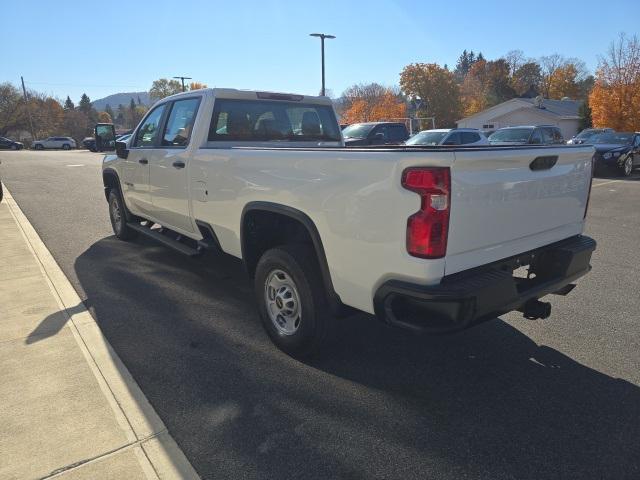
(429, 239)
(449, 136)
(65, 143)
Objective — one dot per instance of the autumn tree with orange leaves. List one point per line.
(615, 98)
(437, 88)
(372, 103)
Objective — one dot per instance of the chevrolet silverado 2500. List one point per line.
(428, 238)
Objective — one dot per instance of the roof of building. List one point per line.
(563, 108)
(559, 108)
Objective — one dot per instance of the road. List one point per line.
(512, 398)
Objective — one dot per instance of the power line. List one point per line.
(85, 85)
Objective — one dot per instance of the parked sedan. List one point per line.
(65, 143)
(7, 143)
(585, 135)
(617, 152)
(527, 135)
(89, 143)
(448, 136)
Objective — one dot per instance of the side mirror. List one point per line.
(121, 150)
(105, 135)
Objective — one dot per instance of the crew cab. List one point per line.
(433, 239)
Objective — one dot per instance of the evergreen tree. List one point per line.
(139, 101)
(132, 105)
(585, 115)
(109, 110)
(85, 104)
(68, 104)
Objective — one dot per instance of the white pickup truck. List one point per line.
(434, 239)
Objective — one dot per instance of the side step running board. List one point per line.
(165, 240)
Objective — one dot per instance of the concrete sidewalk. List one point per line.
(68, 406)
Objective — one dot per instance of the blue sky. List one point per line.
(71, 47)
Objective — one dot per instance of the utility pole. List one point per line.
(26, 101)
(322, 36)
(183, 79)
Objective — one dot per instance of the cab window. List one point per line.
(148, 132)
(180, 123)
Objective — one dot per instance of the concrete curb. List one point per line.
(159, 455)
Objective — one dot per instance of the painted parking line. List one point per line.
(605, 183)
(77, 165)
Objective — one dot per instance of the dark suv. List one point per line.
(375, 133)
(527, 135)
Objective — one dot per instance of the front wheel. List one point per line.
(291, 299)
(66, 146)
(118, 217)
(14, 147)
(627, 167)
(39, 147)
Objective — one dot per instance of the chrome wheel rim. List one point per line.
(628, 166)
(282, 302)
(116, 215)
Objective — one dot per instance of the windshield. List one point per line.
(519, 135)
(612, 138)
(357, 130)
(426, 138)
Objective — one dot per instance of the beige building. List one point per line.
(527, 111)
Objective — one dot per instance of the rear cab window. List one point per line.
(272, 121)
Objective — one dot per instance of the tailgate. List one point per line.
(500, 206)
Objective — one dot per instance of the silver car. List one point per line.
(448, 136)
(65, 143)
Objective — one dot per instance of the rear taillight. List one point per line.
(427, 229)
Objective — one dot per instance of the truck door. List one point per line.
(143, 150)
(169, 183)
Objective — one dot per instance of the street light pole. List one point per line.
(183, 79)
(322, 36)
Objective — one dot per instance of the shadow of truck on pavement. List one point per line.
(379, 402)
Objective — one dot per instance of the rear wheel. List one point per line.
(117, 214)
(14, 147)
(66, 146)
(39, 147)
(291, 299)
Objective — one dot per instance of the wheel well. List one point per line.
(110, 182)
(262, 230)
(265, 225)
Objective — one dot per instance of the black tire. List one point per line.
(66, 146)
(626, 168)
(118, 216)
(39, 147)
(1, 193)
(298, 263)
(14, 147)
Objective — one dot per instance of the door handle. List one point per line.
(143, 161)
(178, 164)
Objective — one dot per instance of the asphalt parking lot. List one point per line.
(558, 398)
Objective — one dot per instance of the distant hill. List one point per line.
(121, 98)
